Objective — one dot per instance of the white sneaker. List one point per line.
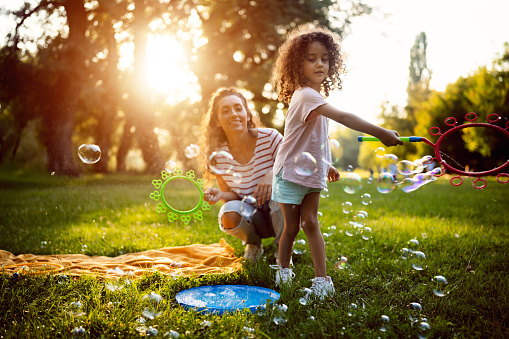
(322, 287)
(253, 252)
(284, 276)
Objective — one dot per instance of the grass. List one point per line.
(463, 233)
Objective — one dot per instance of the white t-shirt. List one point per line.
(300, 136)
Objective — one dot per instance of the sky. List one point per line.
(462, 35)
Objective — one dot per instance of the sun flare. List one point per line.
(168, 70)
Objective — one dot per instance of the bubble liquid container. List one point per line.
(220, 299)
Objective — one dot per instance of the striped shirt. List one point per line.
(243, 179)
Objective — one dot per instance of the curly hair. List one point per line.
(213, 135)
(287, 75)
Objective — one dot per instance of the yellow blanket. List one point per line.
(184, 260)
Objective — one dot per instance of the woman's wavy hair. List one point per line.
(287, 73)
(213, 135)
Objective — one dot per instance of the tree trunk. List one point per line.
(125, 144)
(139, 108)
(110, 103)
(59, 115)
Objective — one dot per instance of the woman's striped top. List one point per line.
(243, 179)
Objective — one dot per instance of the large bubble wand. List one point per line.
(499, 170)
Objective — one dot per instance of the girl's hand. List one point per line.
(212, 195)
(263, 191)
(333, 174)
(390, 138)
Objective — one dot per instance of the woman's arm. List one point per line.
(263, 190)
(224, 193)
(387, 137)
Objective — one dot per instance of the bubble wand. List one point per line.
(479, 183)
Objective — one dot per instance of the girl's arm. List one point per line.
(224, 193)
(387, 137)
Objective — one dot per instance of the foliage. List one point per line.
(484, 92)
(465, 240)
(91, 100)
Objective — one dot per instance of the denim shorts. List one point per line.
(288, 192)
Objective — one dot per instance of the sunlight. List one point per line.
(168, 71)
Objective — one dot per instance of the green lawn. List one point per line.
(463, 233)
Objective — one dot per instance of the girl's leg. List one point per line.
(309, 215)
(291, 215)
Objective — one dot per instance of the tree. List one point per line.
(484, 92)
(404, 120)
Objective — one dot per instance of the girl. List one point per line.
(309, 64)
(229, 126)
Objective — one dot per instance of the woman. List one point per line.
(229, 126)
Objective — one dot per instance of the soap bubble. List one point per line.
(152, 332)
(247, 206)
(341, 263)
(385, 183)
(43, 244)
(350, 228)
(152, 301)
(89, 153)
(413, 245)
(299, 246)
(418, 260)
(380, 152)
(220, 162)
(335, 149)
(389, 163)
(360, 217)
(437, 171)
(424, 330)
(324, 193)
(75, 309)
(415, 311)
(172, 334)
(406, 167)
(367, 233)
(237, 178)
(78, 332)
(115, 271)
(349, 168)
(335, 152)
(170, 166)
(305, 300)
(421, 164)
(279, 312)
(408, 185)
(192, 151)
(153, 298)
(351, 182)
(405, 253)
(352, 309)
(366, 199)
(385, 320)
(305, 164)
(439, 283)
(347, 207)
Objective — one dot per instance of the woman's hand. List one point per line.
(333, 174)
(212, 195)
(263, 191)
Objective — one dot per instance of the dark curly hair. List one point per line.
(287, 75)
